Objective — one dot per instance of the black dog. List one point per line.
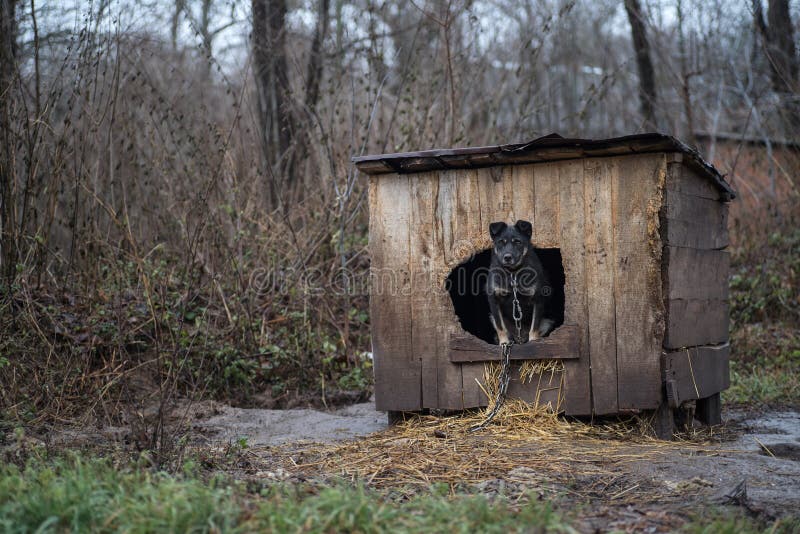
(517, 274)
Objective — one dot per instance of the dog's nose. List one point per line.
(507, 258)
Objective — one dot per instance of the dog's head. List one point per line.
(511, 243)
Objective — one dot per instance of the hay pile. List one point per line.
(523, 437)
(524, 441)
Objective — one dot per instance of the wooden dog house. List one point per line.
(639, 226)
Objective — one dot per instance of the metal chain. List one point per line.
(516, 308)
(502, 387)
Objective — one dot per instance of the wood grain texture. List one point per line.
(692, 322)
(695, 222)
(547, 185)
(397, 372)
(577, 383)
(542, 389)
(696, 274)
(637, 286)
(496, 203)
(425, 256)
(448, 206)
(698, 372)
(684, 179)
(599, 246)
(524, 193)
(563, 343)
(709, 409)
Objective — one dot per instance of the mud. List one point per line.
(752, 466)
(758, 470)
(277, 427)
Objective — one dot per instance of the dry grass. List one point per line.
(527, 444)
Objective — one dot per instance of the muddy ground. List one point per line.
(751, 463)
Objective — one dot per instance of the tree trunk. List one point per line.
(685, 77)
(778, 38)
(272, 83)
(8, 69)
(647, 81)
(314, 76)
(177, 12)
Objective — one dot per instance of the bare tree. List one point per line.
(778, 39)
(315, 56)
(272, 83)
(647, 82)
(175, 19)
(8, 67)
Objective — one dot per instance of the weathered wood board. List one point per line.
(458, 230)
(496, 202)
(563, 343)
(692, 322)
(638, 304)
(542, 389)
(696, 373)
(695, 222)
(599, 245)
(617, 222)
(696, 274)
(428, 299)
(397, 369)
(546, 230)
(686, 180)
(577, 381)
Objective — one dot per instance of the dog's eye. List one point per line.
(502, 241)
(517, 242)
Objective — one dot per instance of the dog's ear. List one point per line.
(496, 228)
(525, 228)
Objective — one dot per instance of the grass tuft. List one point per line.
(79, 495)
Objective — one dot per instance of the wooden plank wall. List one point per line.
(577, 382)
(696, 261)
(397, 368)
(599, 211)
(599, 261)
(637, 191)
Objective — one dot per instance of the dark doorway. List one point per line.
(467, 287)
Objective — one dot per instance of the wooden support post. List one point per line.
(709, 410)
(664, 422)
(395, 417)
(664, 419)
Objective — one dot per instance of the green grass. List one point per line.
(74, 494)
(725, 521)
(80, 495)
(769, 386)
(765, 315)
(765, 368)
(92, 495)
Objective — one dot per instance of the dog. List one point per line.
(515, 265)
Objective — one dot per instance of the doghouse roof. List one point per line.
(552, 147)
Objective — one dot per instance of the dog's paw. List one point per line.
(545, 327)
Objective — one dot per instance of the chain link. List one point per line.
(502, 387)
(516, 308)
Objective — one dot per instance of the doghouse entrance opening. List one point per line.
(466, 284)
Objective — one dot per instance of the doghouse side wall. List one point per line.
(696, 264)
(603, 215)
